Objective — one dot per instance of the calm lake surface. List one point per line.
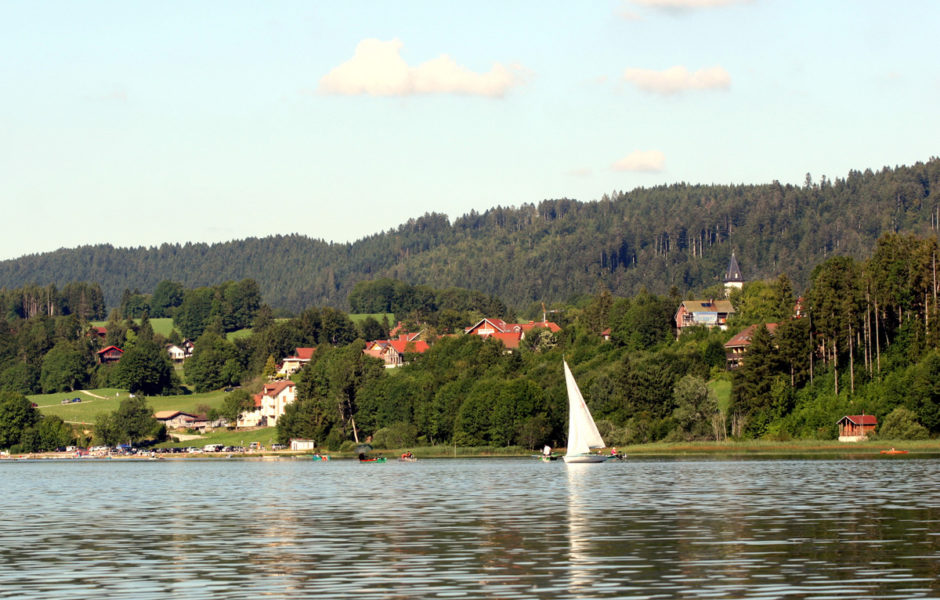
(481, 528)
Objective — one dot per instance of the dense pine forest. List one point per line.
(649, 238)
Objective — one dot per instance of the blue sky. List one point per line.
(137, 123)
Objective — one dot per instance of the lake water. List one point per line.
(482, 528)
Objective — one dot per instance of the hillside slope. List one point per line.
(677, 235)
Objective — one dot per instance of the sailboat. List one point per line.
(582, 431)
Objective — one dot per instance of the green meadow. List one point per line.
(359, 317)
(234, 437)
(107, 400)
(162, 326)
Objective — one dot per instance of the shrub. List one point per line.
(901, 424)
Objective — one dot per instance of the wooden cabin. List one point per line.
(855, 428)
(110, 354)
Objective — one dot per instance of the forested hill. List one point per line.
(657, 237)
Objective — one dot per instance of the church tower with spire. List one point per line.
(733, 278)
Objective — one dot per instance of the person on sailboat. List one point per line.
(547, 450)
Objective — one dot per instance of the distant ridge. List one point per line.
(677, 235)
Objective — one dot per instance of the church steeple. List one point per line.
(733, 278)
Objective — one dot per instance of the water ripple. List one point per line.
(470, 529)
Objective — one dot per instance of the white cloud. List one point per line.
(683, 4)
(678, 79)
(378, 69)
(650, 161)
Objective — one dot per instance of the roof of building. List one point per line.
(721, 306)
(103, 350)
(276, 387)
(734, 271)
(304, 353)
(553, 327)
(860, 419)
(510, 339)
(743, 337)
(404, 346)
(166, 415)
(497, 324)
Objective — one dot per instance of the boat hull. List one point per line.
(586, 458)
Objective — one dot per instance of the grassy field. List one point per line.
(239, 437)
(107, 400)
(359, 317)
(241, 333)
(161, 326)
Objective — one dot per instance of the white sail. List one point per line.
(582, 432)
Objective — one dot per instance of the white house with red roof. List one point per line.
(298, 361)
(270, 404)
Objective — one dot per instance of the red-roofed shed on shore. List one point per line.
(854, 428)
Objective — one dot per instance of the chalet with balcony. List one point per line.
(703, 313)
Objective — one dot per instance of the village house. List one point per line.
(294, 363)
(175, 419)
(269, 404)
(736, 347)
(393, 352)
(398, 332)
(510, 334)
(711, 313)
(855, 428)
(100, 333)
(176, 353)
(703, 313)
(111, 354)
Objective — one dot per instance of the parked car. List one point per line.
(76, 399)
(278, 447)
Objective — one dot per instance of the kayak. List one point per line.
(893, 451)
(380, 459)
(318, 457)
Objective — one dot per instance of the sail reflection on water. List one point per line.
(580, 560)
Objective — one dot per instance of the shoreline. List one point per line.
(807, 449)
